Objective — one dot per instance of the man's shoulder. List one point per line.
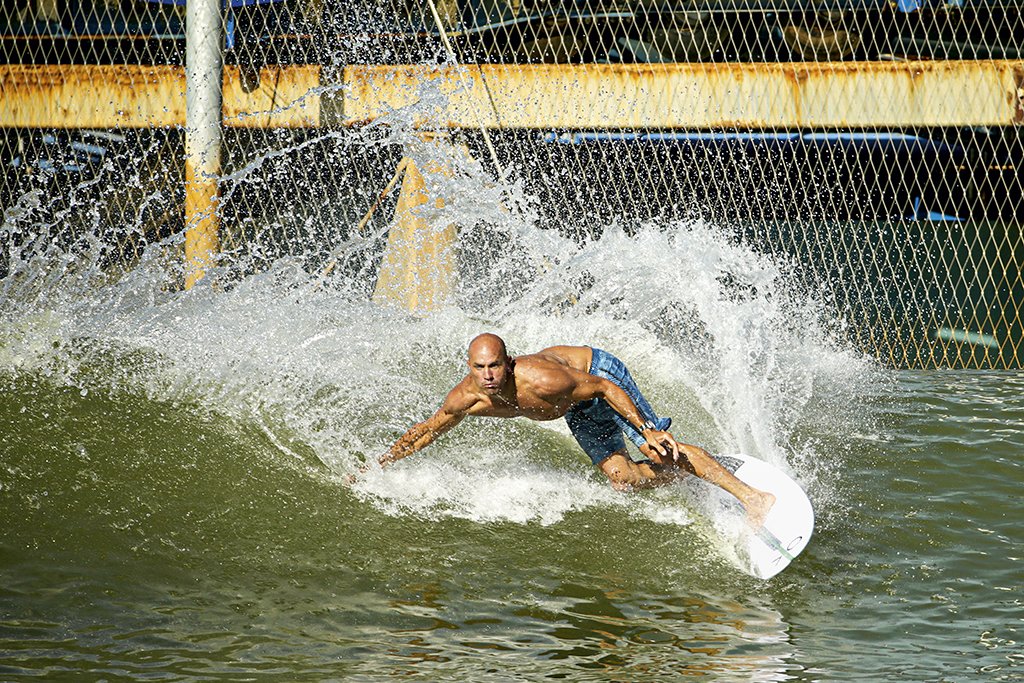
(461, 398)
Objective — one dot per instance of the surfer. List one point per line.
(593, 391)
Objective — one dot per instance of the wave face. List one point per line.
(718, 336)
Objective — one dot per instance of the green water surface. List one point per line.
(148, 540)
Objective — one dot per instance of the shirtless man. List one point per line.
(595, 394)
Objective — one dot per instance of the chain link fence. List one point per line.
(876, 145)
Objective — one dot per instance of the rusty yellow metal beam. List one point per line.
(770, 95)
(126, 96)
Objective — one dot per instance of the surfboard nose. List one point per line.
(787, 528)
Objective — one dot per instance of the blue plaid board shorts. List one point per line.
(595, 424)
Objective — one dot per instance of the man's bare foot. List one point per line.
(758, 508)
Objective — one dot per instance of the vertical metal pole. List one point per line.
(204, 79)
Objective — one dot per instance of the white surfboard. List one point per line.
(789, 524)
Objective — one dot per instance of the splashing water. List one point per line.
(715, 333)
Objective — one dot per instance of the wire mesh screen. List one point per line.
(875, 145)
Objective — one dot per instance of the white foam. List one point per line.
(715, 333)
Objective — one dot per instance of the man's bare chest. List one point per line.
(530, 406)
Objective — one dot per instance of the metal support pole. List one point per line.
(204, 81)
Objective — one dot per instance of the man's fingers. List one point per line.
(658, 441)
(662, 443)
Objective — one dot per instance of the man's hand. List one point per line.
(662, 443)
(364, 467)
(360, 471)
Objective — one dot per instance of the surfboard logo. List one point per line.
(775, 544)
(731, 464)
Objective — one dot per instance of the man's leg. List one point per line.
(626, 475)
(696, 460)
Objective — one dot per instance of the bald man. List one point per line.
(594, 392)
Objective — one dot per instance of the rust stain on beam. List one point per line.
(769, 95)
(121, 96)
(1017, 98)
(287, 97)
(91, 96)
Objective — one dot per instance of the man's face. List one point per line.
(488, 367)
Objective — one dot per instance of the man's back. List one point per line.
(575, 357)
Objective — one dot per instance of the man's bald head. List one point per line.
(487, 344)
(489, 365)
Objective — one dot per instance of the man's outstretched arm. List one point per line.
(422, 434)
